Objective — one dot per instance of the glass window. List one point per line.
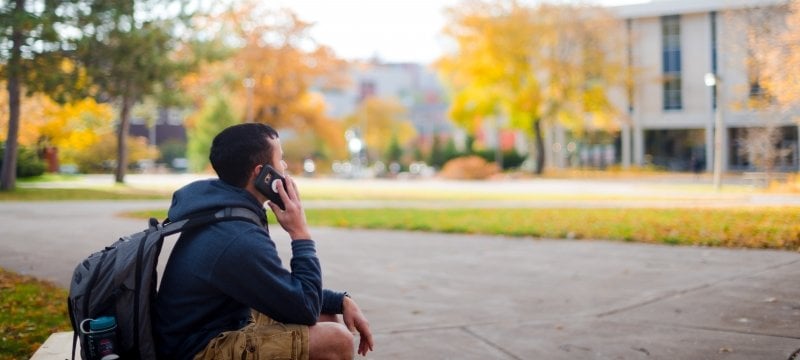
(672, 94)
(671, 61)
(174, 117)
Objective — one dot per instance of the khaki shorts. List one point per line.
(263, 338)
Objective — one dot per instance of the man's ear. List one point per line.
(256, 171)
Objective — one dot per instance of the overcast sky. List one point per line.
(393, 30)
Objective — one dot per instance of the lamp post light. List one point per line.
(712, 80)
(355, 145)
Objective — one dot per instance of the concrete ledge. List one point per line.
(57, 347)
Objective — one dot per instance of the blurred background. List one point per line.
(365, 89)
(670, 122)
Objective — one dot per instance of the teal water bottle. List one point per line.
(103, 337)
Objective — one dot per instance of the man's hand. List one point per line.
(293, 219)
(356, 321)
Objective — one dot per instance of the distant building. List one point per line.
(168, 127)
(413, 85)
(669, 112)
(672, 45)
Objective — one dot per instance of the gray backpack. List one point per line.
(121, 279)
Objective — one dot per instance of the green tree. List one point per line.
(32, 59)
(437, 153)
(450, 152)
(395, 151)
(29, 163)
(551, 63)
(215, 116)
(128, 50)
(171, 150)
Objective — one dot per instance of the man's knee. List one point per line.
(330, 341)
(344, 341)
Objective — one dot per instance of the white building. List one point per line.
(673, 44)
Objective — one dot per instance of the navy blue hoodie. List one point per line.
(217, 273)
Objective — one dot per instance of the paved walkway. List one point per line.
(439, 296)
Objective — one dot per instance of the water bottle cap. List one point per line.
(102, 323)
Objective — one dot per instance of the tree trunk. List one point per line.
(539, 142)
(498, 151)
(122, 140)
(8, 174)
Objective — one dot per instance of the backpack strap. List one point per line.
(197, 220)
(74, 343)
(74, 327)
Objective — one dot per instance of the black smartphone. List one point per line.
(266, 184)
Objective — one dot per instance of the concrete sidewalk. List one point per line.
(440, 296)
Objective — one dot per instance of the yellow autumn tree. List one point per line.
(529, 64)
(82, 131)
(72, 127)
(778, 56)
(75, 128)
(378, 120)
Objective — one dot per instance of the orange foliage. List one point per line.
(469, 167)
(269, 75)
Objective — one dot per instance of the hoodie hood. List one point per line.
(212, 194)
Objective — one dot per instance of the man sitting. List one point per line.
(225, 294)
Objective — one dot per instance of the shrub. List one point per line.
(28, 162)
(101, 157)
(171, 150)
(511, 158)
(469, 167)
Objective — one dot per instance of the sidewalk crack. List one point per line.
(730, 331)
(490, 343)
(675, 293)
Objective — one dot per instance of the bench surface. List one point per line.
(57, 347)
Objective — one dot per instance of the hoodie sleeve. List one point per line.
(250, 271)
(332, 301)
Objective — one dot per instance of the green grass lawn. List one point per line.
(30, 310)
(49, 177)
(111, 193)
(773, 228)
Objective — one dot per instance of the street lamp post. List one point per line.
(712, 80)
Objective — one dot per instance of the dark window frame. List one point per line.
(671, 62)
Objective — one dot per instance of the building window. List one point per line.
(756, 91)
(174, 117)
(671, 61)
(366, 89)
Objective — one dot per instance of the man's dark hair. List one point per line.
(238, 149)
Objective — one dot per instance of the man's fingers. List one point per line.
(369, 342)
(364, 347)
(282, 192)
(275, 208)
(290, 190)
(365, 344)
(293, 187)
